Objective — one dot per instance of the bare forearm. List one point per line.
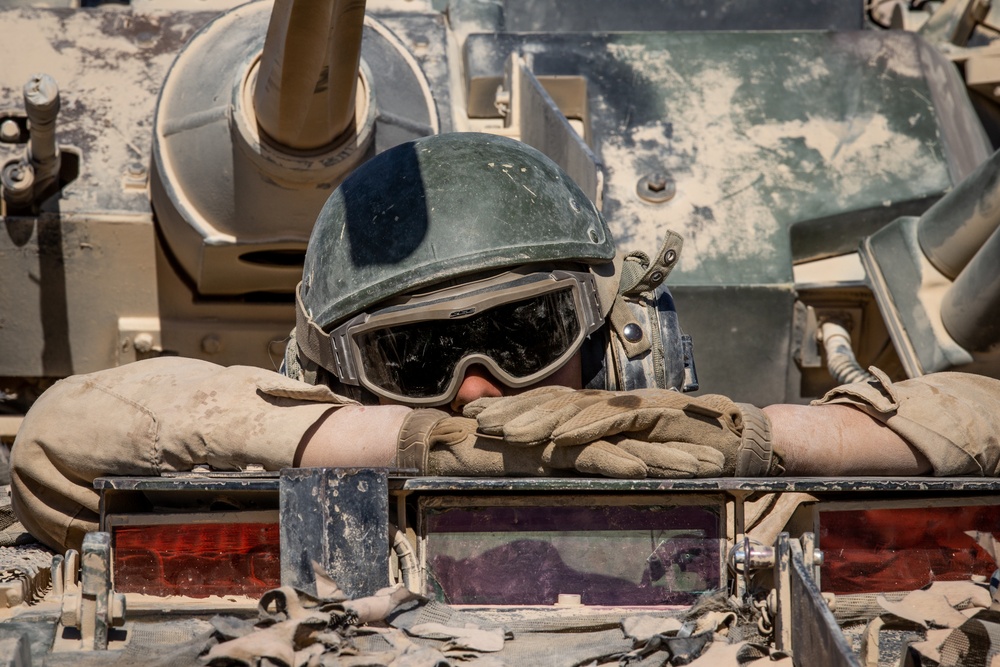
(829, 440)
(353, 436)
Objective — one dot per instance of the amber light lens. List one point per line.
(884, 550)
(196, 560)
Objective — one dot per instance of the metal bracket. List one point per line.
(804, 625)
(532, 114)
(337, 518)
(89, 603)
(801, 616)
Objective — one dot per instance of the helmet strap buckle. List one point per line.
(640, 277)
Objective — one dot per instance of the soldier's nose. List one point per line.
(477, 383)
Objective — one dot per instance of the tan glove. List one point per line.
(531, 417)
(740, 432)
(432, 442)
(435, 443)
(709, 435)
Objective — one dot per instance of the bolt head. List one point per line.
(9, 131)
(70, 613)
(18, 177)
(143, 342)
(657, 182)
(656, 188)
(116, 610)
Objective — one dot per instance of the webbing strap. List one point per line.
(414, 439)
(314, 343)
(640, 276)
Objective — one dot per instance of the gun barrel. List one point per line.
(304, 97)
(969, 307)
(953, 230)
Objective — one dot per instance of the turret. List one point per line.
(262, 114)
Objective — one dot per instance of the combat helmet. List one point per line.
(438, 242)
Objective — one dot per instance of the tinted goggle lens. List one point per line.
(419, 359)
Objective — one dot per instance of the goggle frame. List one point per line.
(462, 302)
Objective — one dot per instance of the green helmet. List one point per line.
(471, 248)
(439, 208)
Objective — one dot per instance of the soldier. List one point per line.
(463, 312)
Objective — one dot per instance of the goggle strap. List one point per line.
(315, 343)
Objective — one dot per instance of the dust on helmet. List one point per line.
(444, 211)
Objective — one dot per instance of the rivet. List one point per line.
(670, 256)
(574, 205)
(657, 276)
(632, 332)
(211, 344)
(593, 236)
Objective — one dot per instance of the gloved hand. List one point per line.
(531, 417)
(438, 444)
(705, 428)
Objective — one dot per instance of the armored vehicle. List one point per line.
(830, 166)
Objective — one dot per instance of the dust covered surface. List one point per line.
(767, 131)
(758, 131)
(109, 64)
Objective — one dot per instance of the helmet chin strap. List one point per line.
(642, 345)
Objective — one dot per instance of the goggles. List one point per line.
(521, 327)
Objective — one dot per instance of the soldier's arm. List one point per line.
(835, 440)
(944, 423)
(353, 436)
(147, 418)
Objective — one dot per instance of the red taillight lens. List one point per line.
(196, 560)
(887, 550)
